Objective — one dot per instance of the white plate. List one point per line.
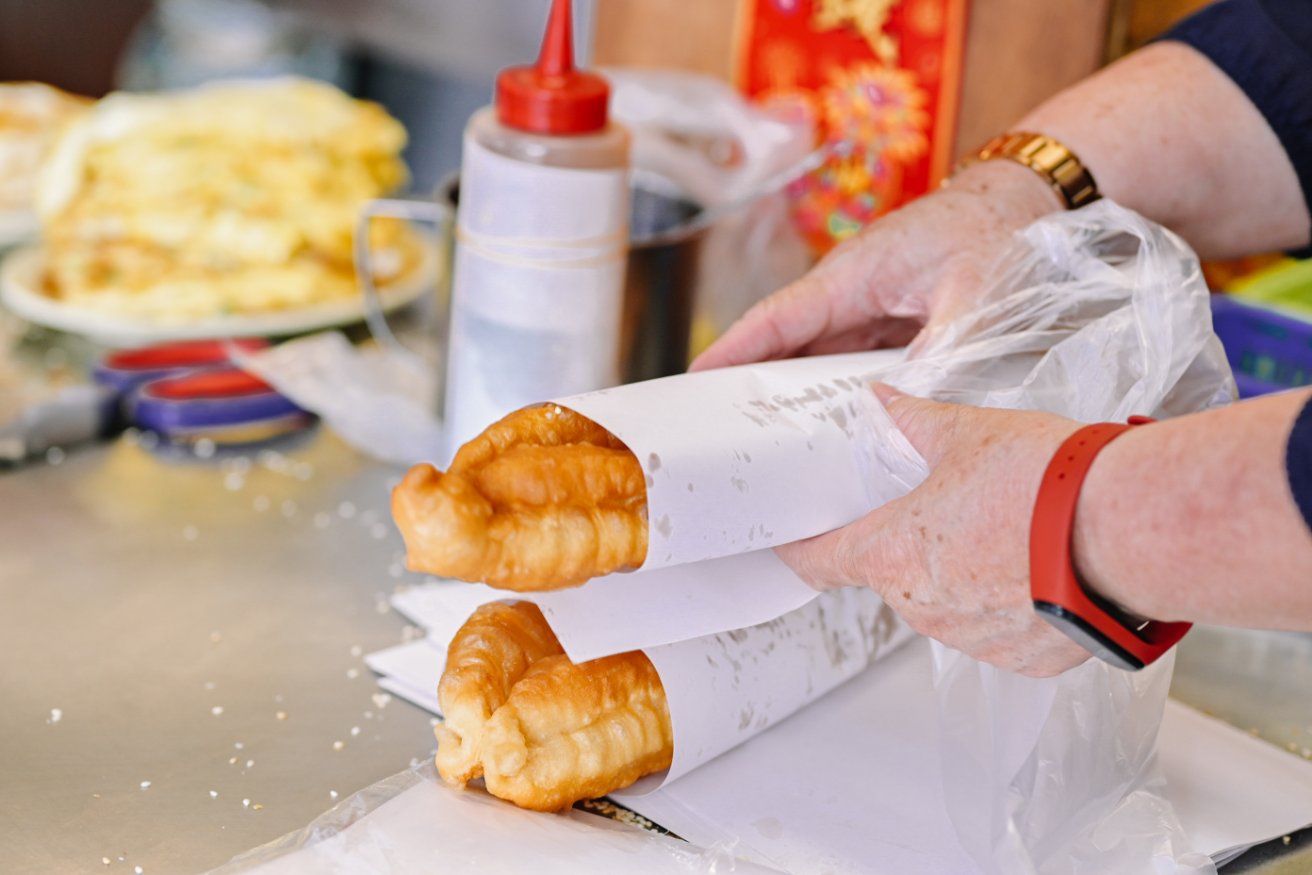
(20, 280)
(17, 227)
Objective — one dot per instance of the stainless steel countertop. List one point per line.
(172, 609)
(141, 592)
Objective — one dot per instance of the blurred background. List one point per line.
(432, 62)
(888, 94)
(766, 131)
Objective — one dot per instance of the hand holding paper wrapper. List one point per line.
(1093, 315)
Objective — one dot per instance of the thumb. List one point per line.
(774, 327)
(955, 295)
(929, 425)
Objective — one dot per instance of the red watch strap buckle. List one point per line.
(1060, 598)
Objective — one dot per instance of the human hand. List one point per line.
(952, 557)
(919, 266)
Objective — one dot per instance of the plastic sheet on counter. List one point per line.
(412, 823)
(851, 789)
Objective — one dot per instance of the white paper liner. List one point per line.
(744, 458)
(727, 688)
(677, 604)
(722, 689)
(596, 620)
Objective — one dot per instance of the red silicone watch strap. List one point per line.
(1058, 595)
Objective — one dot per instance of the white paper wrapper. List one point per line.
(678, 604)
(722, 689)
(745, 458)
(727, 688)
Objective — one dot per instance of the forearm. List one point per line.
(1193, 519)
(1169, 135)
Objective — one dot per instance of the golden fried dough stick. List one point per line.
(571, 732)
(543, 499)
(491, 652)
(546, 426)
(537, 476)
(546, 734)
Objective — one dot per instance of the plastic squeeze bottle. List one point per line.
(541, 237)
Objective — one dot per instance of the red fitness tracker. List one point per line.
(1091, 621)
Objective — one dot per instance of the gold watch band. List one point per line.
(1058, 166)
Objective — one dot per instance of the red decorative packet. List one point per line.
(880, 79)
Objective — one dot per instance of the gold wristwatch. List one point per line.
(1058, 166)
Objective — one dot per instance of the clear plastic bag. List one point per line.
(696, 138)
(1096, 315)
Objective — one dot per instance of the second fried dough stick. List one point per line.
(571, 732)
(542, 731)
(492, 651)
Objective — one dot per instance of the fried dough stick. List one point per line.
(559, 732)
(542, 499)
(488, 656)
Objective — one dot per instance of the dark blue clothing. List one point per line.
(1298, 462)
(1265, 46)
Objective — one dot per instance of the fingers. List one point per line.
(869, 552)
(879, 334)
(775, 327)
(856, 288)
(880, 550)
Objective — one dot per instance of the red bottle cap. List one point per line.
(553, 97)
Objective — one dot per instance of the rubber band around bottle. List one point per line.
(471, 244)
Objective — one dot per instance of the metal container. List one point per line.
(660, 280)
(686, 264)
